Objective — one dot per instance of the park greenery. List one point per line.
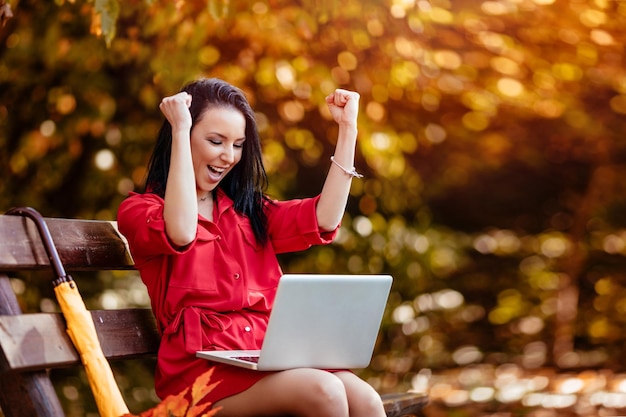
(491, 139)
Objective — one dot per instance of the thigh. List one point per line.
(296, 392)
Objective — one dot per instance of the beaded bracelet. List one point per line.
(351, 172)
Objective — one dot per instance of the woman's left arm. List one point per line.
(344, 107)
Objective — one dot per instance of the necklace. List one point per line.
(205, 197)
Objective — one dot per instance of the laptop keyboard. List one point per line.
(254, 359)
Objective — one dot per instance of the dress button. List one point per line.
(236, 276)
(247, 328)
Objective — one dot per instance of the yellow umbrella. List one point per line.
(82, 331)
(80, 327)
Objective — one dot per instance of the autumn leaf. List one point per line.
(171, 406)
(199, 390)
(201, 386)
(180, 406)
(198, 410)
(175, 406)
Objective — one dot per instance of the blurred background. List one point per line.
(491, 137)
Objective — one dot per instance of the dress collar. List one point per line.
(223, 203)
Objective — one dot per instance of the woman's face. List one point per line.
(216, 145)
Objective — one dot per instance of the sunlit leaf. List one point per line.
(107, 12)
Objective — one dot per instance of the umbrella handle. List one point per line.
(46, 238)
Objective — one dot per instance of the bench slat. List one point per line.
(82, 245)
(39, 341)
(404, 404)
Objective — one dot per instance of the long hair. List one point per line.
(246, 182)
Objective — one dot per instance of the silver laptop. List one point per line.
(318, 321)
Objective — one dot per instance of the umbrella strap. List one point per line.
(46, 238)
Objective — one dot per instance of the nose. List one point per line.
(228, 155)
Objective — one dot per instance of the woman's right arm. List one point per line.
(181, 203)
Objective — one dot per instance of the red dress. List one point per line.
(217, 292)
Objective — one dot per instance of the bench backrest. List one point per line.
(82, 245)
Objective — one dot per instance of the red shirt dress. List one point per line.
(217, 292)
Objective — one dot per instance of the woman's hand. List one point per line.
(176, 110)
(344, 106)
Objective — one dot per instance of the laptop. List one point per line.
(318, 321)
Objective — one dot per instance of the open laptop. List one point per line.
(318, 321)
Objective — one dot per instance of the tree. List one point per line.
(490, 136)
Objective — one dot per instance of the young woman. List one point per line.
(204, 238)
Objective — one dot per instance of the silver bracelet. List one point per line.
(351, 172)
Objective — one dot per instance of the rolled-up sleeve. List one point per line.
(140, 220)
(292, 225)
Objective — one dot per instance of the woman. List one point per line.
(205, 238)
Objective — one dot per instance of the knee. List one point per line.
(327, 394)
(369, 403)
(363, 399)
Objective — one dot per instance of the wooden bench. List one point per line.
(32, 344)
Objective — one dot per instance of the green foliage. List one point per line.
(491, 136)
(108, 11)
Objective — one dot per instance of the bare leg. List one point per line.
(296, 392)
(363, 400)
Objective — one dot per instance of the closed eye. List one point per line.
(219, 141)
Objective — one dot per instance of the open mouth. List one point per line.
(216, 170)
(216, 173)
